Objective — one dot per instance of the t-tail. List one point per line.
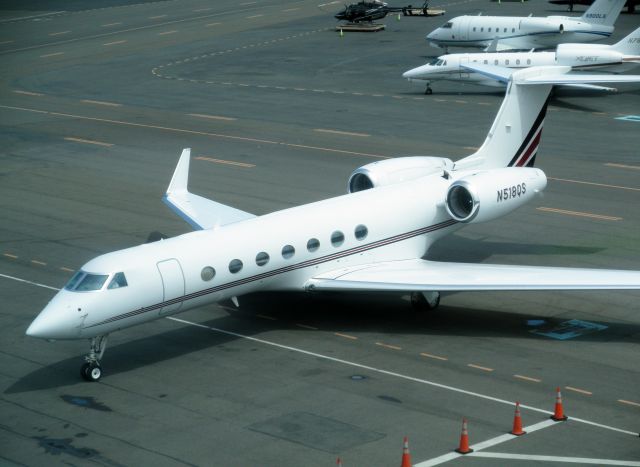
(604, 12)
(630, 45)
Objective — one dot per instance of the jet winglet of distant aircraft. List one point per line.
(370, 239)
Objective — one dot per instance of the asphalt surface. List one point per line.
(95, 107)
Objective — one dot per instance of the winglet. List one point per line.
(180, 178)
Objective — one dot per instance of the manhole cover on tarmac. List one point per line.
(316, 432)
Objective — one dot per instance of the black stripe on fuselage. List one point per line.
(282, 270)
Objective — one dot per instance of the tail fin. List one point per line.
(515, 134)
(603, 12)
(630, 45)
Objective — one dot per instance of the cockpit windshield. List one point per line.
(85, 282)
(436, 62)
(447, 25)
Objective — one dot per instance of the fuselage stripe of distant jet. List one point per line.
(530, 144)
(304, 264)
(516, 36)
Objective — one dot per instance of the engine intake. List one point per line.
(487, 195)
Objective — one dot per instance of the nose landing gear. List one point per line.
(91, 370)
(428, 90)
(425, 301)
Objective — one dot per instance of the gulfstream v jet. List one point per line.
(371, 239)
(514, 32)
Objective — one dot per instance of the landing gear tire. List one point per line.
(428, 91)
(91, 372)
(425, 301)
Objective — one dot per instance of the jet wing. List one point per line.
(421, 275)
(201, 213)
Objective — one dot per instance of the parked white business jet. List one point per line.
(619, 57)
(524, 33)
(370, 239)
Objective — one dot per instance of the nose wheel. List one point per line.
(91, 370)
(425, 301)
(428, 90)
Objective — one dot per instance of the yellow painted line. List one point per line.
(167, 32)
(428, 355)
(88, 141)
(290, 9)
(39, 263)
(213, 117)
(59, 33)
(267, 317)
(471, 148)
(66, 269)
(108, 104)
(622, 401)
(387, 346)
(580, 214)
(581, 391)
(195, 132)
(623, 166)
(52, 55)
(346, 336)
(222, 161)
(598, 113)
(9, 255)
(28, 93)
(254, 16)
(157, 17)
(306, 326)
(484, 103)
(528, 378)
(478, 367)
(617, 187)
(115, 42)
(108, 25)
(211, 24)
(338, 132)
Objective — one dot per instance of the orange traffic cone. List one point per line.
(558, 414)
(339, 462)
(406, 457)
(517, 422)
(464, 439)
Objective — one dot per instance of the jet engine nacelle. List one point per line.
(541, 25)
(487, 195)
(397, 170)
(575, 55)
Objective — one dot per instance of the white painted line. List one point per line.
(157, 17)
(167, 32)
(213, 117)
(254, 16)
(51, 55)
(248, 3)
(88, 141)
(338, 132)
(622, 401)
(9, 255)
(108, 104)
(306, 326)
(222, 161)
(571, 460)
(28, 93)
(290, 9)
(59, 33)
(8, 20)
(484, 445)
(39, 263)
(580, 214)
(202, 9)
(604, 185)
(29, 282)
(211, 24)
(115, 42)
(623, 166)
(110, 24)
(6, 42)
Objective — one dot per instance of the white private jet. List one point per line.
(525, 33)
(619, 57)
(371, 239)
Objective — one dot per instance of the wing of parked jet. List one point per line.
(422, 275)
(199, 212)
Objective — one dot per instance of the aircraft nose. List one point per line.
(413, 73)
(55, 322)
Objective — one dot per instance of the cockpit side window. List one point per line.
(448, 25)
(91, 282)
(77, 277)
(118, 281)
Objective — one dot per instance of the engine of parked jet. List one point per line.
(397, 170)
(488, 195)
(578, 56)
(541, 25)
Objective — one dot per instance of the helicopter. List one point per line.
(369, 11)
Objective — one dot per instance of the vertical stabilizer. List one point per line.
(603, 12)
(630, 45)
(515, 134)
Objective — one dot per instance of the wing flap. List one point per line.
(421, 275)
(201, 213)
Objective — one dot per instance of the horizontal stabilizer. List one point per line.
(201, 213)
(420, 275)
(499, 73)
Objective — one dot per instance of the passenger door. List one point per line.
(173, 285)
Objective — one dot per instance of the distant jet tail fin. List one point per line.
(630, 45)
(603, 12)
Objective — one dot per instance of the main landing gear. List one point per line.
(425, 301)
(428, 90)
(91, 370)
